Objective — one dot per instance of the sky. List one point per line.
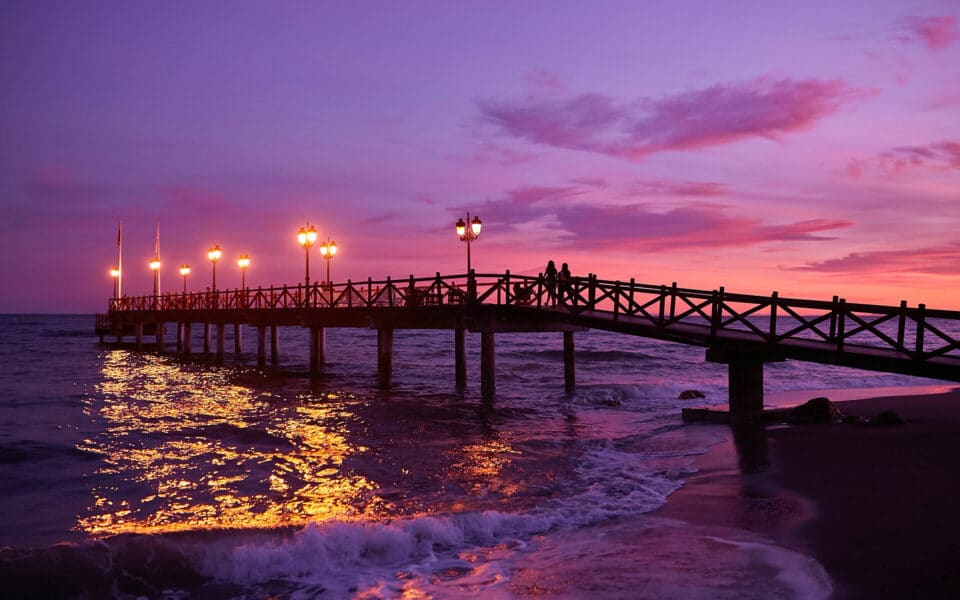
(812, 148)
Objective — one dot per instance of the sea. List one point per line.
(146, 475)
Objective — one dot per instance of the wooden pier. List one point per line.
(740, 330)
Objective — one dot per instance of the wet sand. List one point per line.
(878, 507)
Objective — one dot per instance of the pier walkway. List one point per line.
(741, 330)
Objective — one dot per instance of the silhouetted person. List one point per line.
(550, 280)
(564, 280)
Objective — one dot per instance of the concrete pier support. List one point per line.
(460, 352)
(187, 335)
(161, 328)
(488, 366)
(139, 334)
(384, 357)
(745, 375)
(569, 364)
(206, 338)
(261, 345)
(237, 338)
(274, 344)
(318, 352)
(221, 330)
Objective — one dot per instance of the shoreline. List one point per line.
(875, 506)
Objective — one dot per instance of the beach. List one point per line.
(876, 506)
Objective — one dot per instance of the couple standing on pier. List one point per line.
(559, 283)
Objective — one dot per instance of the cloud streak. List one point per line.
(935, 260)
(720, 114)
(936, 33)
(639, 228)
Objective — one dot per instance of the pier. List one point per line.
(740, 330)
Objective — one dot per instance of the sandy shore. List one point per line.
(878, 507)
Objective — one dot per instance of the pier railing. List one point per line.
(918, 333)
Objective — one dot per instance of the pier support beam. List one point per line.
(237, 338)
(318, 351)
(206, 338)
(161, 326)
(745, 375)
(261, 345)
(187, 334)
(384, 357)
(569, 364)
(221, 330)
(488, 367)
(139, 334)
(274, 344)
(460, 352)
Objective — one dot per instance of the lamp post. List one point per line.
(155, 267)
(214, 255)
(306, 238)
(243, 262)
(115, 274)
(468, 231)
(184, 271)
(328, 250)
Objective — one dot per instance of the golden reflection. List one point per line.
(481, 464)
(188, 449)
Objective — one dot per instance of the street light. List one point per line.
(214, 255)
(306, 238)
(243, 262)
(184, 270)
(115, 273)
(328, 250)
(155, 267)
(468, 234)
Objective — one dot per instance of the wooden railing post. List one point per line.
(507, 285)
(439, 286)
(592, 291)
(349, 294)
(389, 292)
(921, 326)
(616, 300)
(539, 290)
(841, 322)
(472, 286)
(663, 303)
(714, 312)
(902, 324)
(773, 316)
(633, 291)
(673, 301)
(369, 291)
(833, 318)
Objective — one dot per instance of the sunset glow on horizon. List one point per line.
(813, 150)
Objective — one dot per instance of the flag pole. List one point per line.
(120, 259)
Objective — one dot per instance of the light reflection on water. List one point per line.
(185, 449)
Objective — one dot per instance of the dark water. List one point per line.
(143, 475)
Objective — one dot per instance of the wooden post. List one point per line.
(317, 351)
(261, 345)
(206, 338)
(488, 367)
(274, 344)
(237, 338)
(460, 353)
(569, 365)
(186, 337)
(384, 357)
(139, 328)
(221, 330)
(160, 336)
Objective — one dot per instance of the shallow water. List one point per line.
(126, 474)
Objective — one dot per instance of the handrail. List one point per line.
(917, 333)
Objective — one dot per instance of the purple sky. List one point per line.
(811, 148)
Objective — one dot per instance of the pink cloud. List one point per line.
(636, 227)
(719, 114)
(680, 188)
(937, 260)
(544, 78)
(941, 156)
(935, 32)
